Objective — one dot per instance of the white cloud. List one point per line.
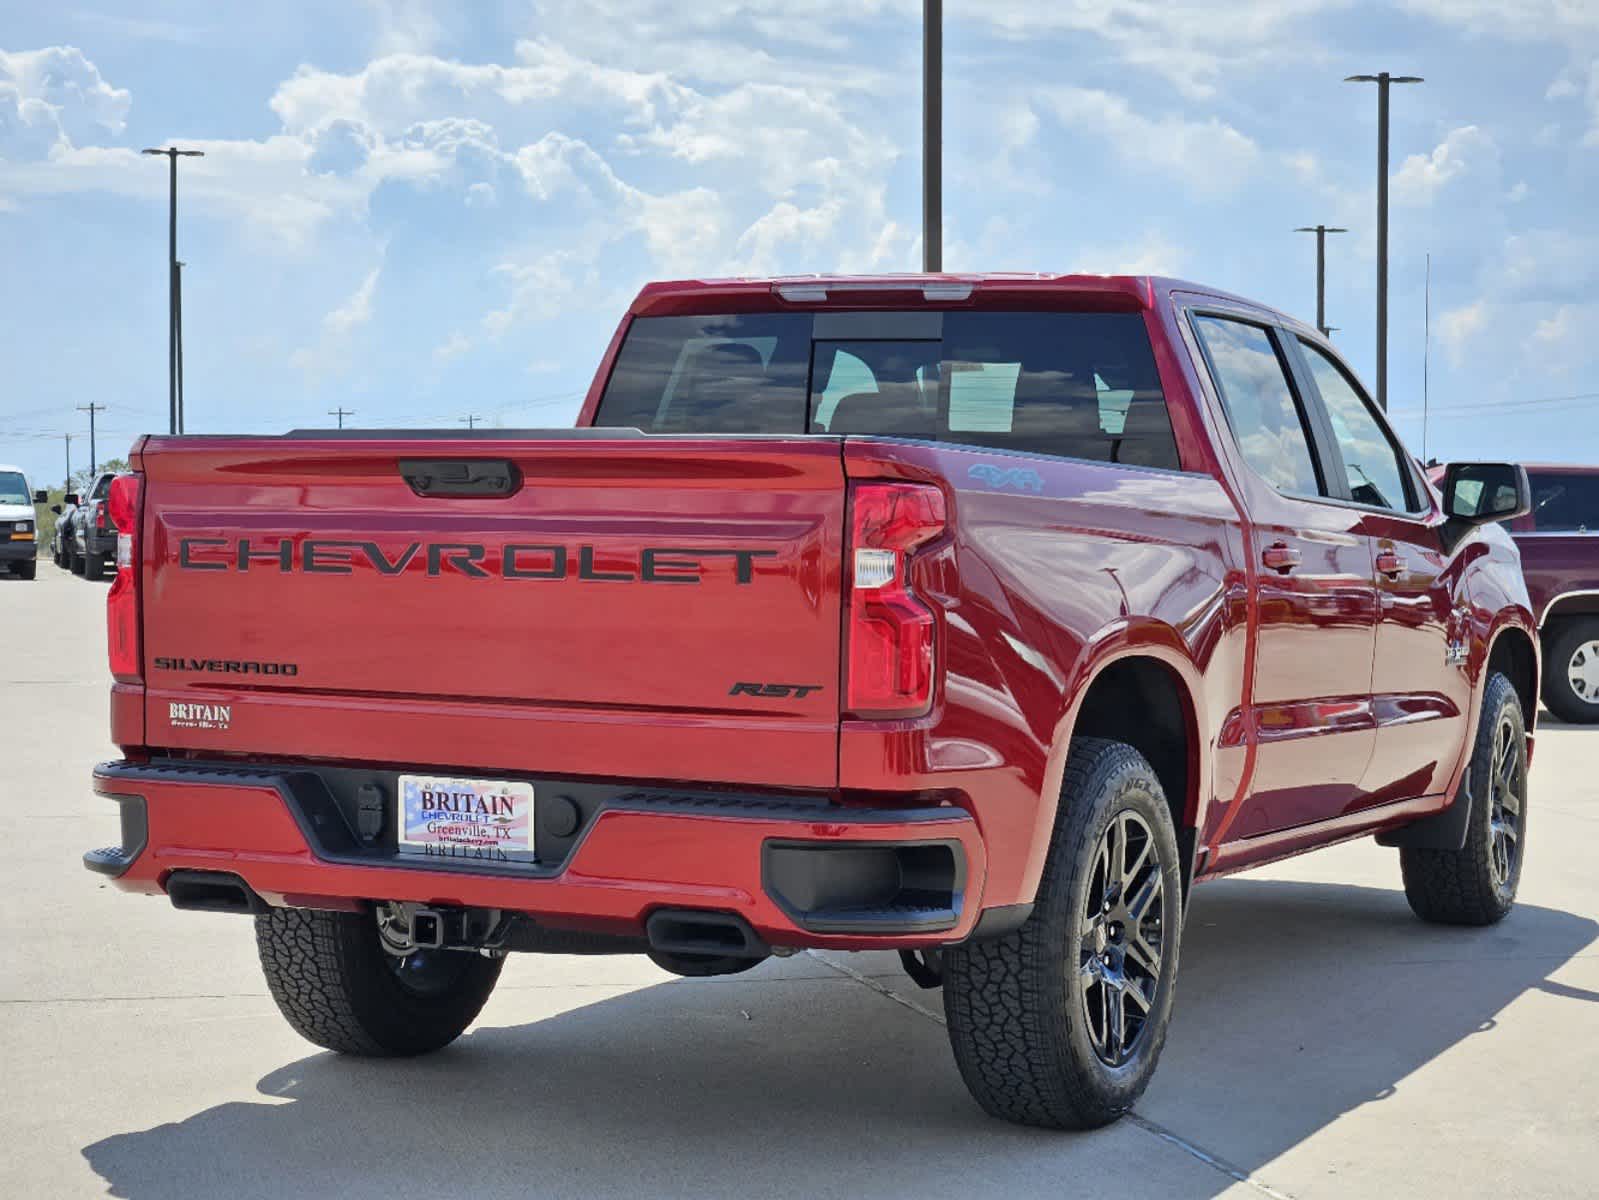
(452, 347)
(1458, 329)
(1152, 254)
(1210, 155)
(1467, 150)
(52, 98)
(1557, 328)
(404, 26)
(331, 352)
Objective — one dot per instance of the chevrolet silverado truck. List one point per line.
(972, 617)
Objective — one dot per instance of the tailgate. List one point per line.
(636, 607)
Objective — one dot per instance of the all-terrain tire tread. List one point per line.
(995, 1030)
(302, 960)
(1456, 887)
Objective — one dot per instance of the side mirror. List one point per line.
(1481, 492)
(40, 496)
(56, 508)
(72, 498)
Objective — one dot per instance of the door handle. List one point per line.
(1390, 564)
(1280, 557)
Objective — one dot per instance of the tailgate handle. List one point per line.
(461, 476)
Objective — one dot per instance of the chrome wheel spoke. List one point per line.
(1143, 955)
(1116, 1032)
(1142, 900)
(1120, 934)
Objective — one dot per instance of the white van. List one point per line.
(18, 528)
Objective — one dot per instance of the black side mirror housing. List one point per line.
(40, 496)
(56, 508)
(72, 498)
(1479, 493)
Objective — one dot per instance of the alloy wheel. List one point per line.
(1122, 938)
(1506, 801)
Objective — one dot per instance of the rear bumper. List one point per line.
(801, 872)
(96, 542)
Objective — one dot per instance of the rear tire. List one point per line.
(340, 989)
(1571, 671)
(1476, 885)
(74, 563)
(1033, 1016)
(94, 566)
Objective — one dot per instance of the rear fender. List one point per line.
(1138, 637)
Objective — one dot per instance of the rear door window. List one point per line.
(1079, 385)
(1564, 503)
(1267, 421)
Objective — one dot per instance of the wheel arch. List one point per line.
(1135, 684)
(1514, 652)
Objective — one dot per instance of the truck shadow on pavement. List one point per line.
(1298, 1002)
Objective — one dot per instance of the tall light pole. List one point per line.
(68, 485)
(932, 135)
(1382, 80)
(341, 412)
(1321, 232)
(174, 314)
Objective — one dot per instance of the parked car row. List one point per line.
(85, 540)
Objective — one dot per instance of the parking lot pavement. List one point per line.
(1325, 1044)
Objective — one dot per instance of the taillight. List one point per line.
(891, 632)
(122, 603)
(102, 518)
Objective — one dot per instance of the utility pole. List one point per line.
(341, 412)
(471, 420)
(1321, 232)
(174, 314)
(68, 485)
(932, 135)
(92, 408)
(1382, 80)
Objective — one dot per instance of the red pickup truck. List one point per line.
(976, 617)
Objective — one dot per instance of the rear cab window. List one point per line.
(1564, 501)
(1073, 384)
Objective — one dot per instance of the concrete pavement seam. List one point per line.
(1153, 1127)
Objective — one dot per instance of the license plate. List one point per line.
(476, 820)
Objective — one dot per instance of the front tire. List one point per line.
(1476, 885)
(1061, 1023)
(1571, 671)
(338, 987)
(28, 570)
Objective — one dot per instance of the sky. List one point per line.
(421, 212)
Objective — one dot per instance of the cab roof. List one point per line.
(1024, 289)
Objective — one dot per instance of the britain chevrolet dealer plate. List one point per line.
(475, 820)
